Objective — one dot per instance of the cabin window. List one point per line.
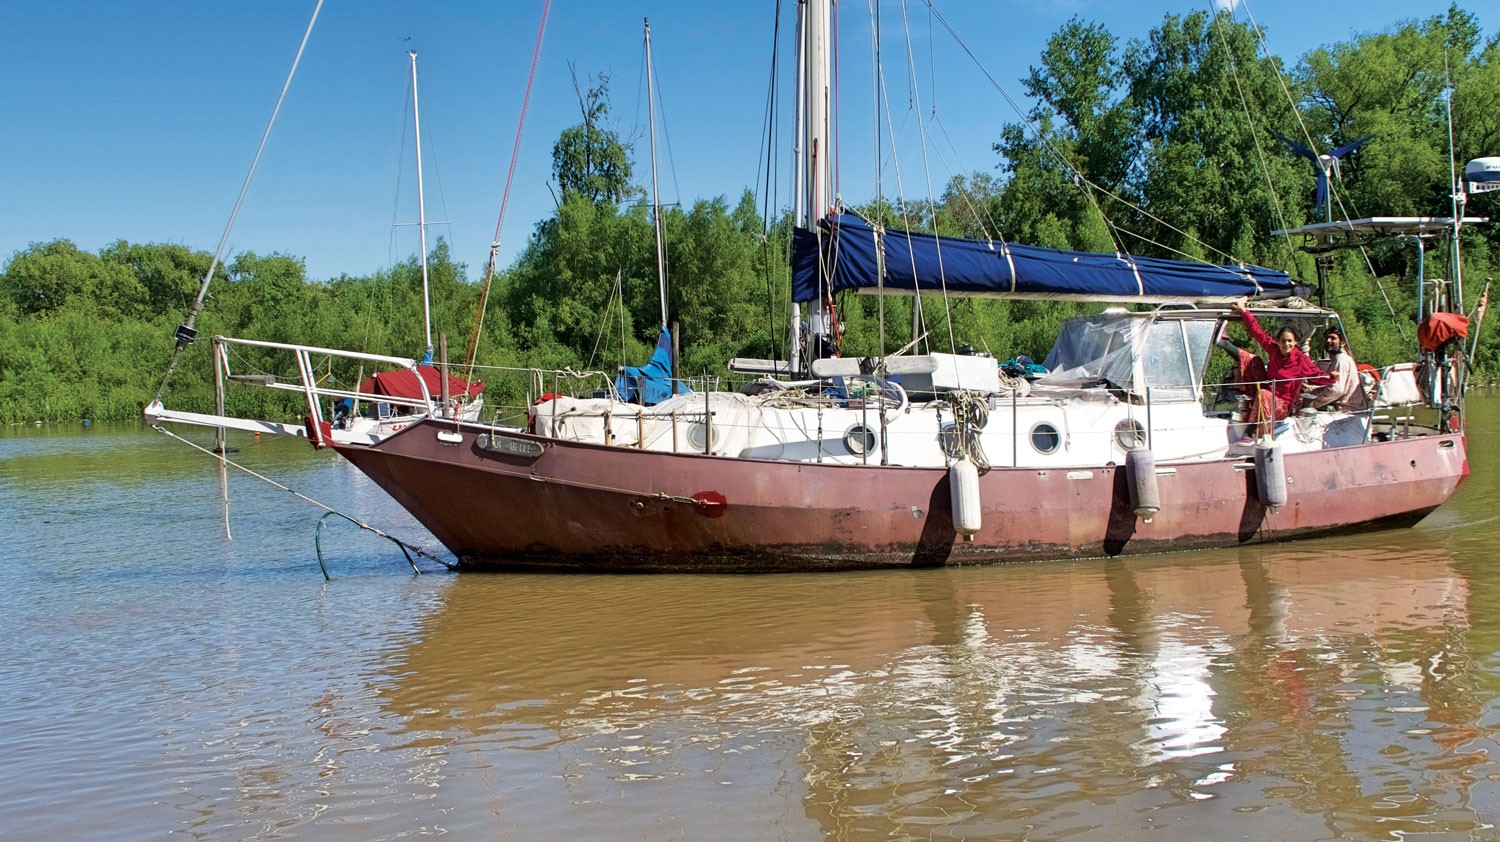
(700, 438)
(1164, 358)
(1045, 438)
(1093, 349)
(1174, 355)
(949, 441)
(859, 439)
(1129, 434)
(1200, 339)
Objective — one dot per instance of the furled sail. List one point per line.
(849, 252)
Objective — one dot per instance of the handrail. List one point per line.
(404, 362)
(314, 392)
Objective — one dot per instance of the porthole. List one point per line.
(699, 436)
(1129, 434)
(949, 441)
(859, 439)
(1045, 438)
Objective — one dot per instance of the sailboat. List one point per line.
(916, 460)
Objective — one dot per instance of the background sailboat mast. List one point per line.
(416, 120)
(813, 153)
(661, 258)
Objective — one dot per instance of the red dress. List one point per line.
(1287, 372)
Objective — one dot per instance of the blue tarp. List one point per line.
(651, 383)
(851, 249)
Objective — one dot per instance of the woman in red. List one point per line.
(1287, 366)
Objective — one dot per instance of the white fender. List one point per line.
(963, 486)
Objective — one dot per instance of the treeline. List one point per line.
(1166, 146)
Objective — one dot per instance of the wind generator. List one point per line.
(1326, 164)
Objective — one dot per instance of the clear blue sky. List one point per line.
(138, 120)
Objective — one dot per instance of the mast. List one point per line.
(812, 151)
(661, 259)
(416, 120)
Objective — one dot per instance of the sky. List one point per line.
(139, 120)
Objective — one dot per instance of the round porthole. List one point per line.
(699, 438)
(859, 439)
(949, 440)
(1129, 434)
(1045, 438)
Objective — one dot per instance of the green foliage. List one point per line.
(1164, 146)
(46, 276)
(1390, 85)
(589, 159)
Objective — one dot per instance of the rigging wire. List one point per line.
(1260, 154)
(407, 122)
(489, 269)
(652, 91)
(835, 140)
(406, 546)
(900, 209)
(927, 176)
(769, 155)
(878, 81)
(1364, 254)
(1078, 176)
(186, 332)
(434, 151)
(964, 191)
(1455, 266)
(615, 293)
(391, 245)
(1265, 45)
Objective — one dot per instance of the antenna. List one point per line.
(1459, 199)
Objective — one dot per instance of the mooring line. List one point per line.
(406, 547)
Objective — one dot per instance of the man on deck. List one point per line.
(1344, 392)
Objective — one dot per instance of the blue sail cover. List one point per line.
(649, 384)
(852, 250)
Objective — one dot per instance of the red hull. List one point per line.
(589, 507)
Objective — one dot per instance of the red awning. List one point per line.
(1441, 327)
(403, 385)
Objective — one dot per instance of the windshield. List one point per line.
(1091, 349)
(1131, 353)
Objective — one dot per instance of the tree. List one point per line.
(1390, 86)
(170, 274)
(1080, 134)
(1078, 81)
(46, 276)
(277, 293)
(1208, 148)
(590, 159)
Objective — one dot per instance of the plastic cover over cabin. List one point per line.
(1132, 352)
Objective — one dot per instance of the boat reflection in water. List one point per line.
(1291, 693)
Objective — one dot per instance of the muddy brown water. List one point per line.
(160, 681)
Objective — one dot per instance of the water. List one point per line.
(161, 681)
